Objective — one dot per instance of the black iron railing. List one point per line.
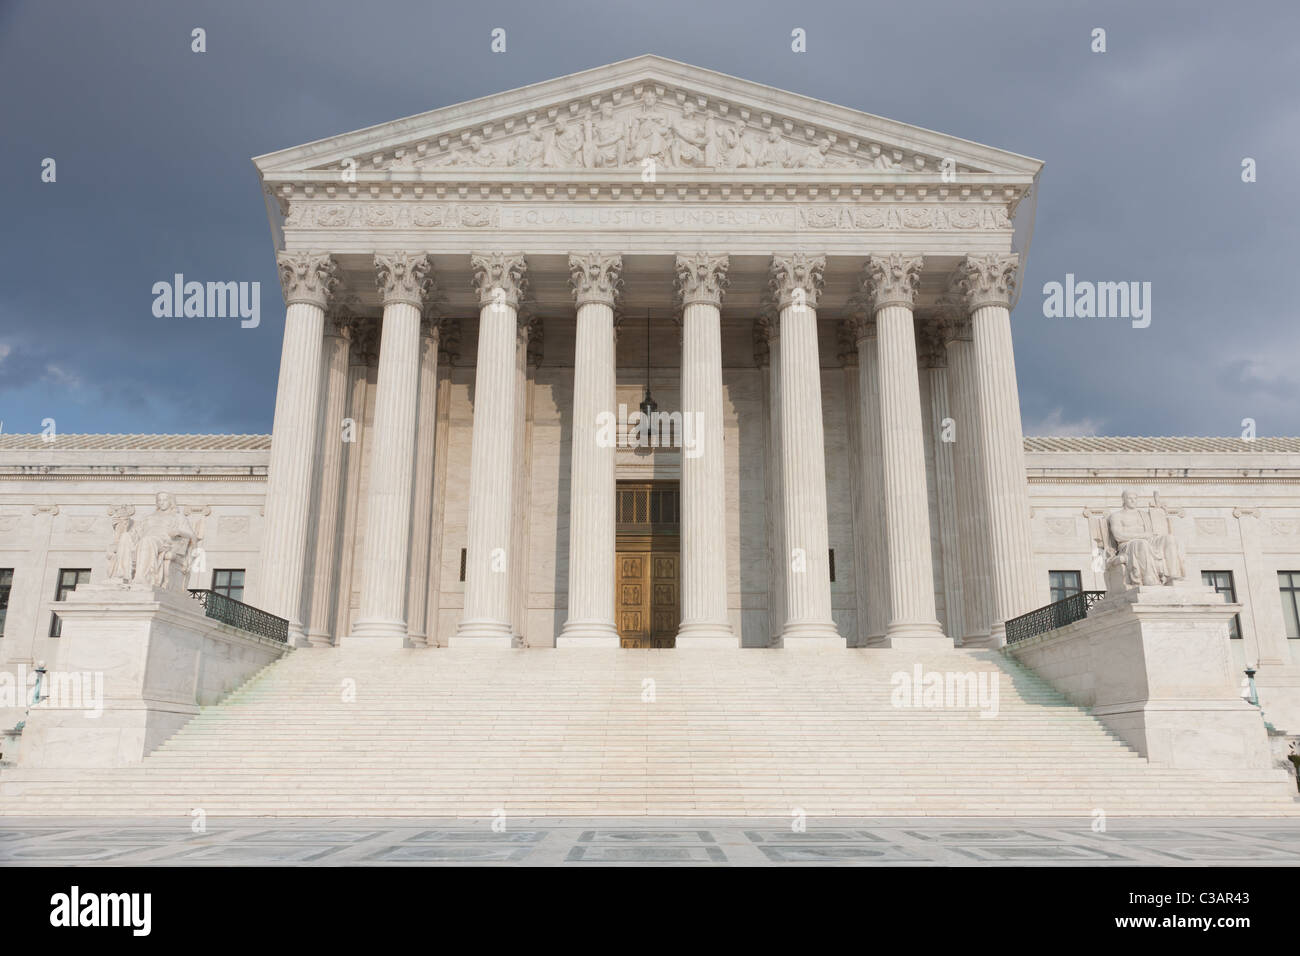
(243, 616)
(1051, 616)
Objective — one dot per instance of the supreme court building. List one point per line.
(653, 356)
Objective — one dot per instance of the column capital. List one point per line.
(341, 313)
(596, 277)
(403, 277)
(931, 344)
(797, 276)
(536, 343)
(860, 326)
(448, 341)
(701, 278)
(310, 277)
(504, 271)
(846, 343)
(891, 279)
(985, 280)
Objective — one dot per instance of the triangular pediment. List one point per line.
(644, 113)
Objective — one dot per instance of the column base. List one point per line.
(915, 636)
(705, 634)
(384, 630)
(297, 636)
(318, 639)
(979, 640)
(587, 634)
(482, 634)
(416, 640)
(810, 635)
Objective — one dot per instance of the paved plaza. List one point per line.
(628, 841)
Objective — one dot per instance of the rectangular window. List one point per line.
(69, 578)
(230, 582)
(462, 564)
(832, 561)
(1064, 584)
(1222, 583)
(1289, 583)
(6, 583)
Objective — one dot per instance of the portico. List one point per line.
(823, 296)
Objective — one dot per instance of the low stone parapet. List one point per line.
(1153, 664)
(135, 665)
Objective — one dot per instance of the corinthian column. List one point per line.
(890, 284)
(942, 429)
(767, 356)
(986, 282)
(404, 284)
(308, 280)
(426, 421)
(701, 279)
(874, 566)
(972, 516)
(501, 280)
(596, 279)
(329, 482)
(796, 282)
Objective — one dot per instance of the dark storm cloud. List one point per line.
(1143, 146)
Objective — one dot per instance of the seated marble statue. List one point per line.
(1142, 544)
(160, 538)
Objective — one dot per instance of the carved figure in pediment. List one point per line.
(691, 138)
(650, 131)
(564, 146)
(607, 140)
(814, 157)
(528, 150)
(879, 160)
(774, 154)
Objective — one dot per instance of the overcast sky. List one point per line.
(1143, 146)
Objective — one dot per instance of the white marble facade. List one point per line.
(835, 286)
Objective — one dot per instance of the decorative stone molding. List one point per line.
(403, 277)
(310, 277)
(596, 277)
(985, 280)
(891, 280)
(45, 510)
(701, 277)
(505, 271)
(794, 273)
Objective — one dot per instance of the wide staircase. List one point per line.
(378, 731)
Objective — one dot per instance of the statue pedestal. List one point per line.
(135, 664)
(1154, 665)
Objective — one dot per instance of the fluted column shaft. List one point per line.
(308, 280)
(946, 493)
(404, 283)
(986, 283)
(1006, 487)
(775, 517)
(349, 579)
(891, 283)
(329, 485)
(592, 483)
(701, 280)
(486, 616)
(875, 568)
(797, 282)
(426, 419)
(972, 518)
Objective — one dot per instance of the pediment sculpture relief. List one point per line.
(631, 137)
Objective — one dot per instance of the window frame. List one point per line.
(62, 590)
(1069, 590)
(1230, 589)
(228, 586)
(1290, 590)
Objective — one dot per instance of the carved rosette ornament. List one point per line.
(985, 280)
(797, 279)
(500, 277)
(403, 277)
(701, 277)
(891, 280)
(596, 277)
(310, 277)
